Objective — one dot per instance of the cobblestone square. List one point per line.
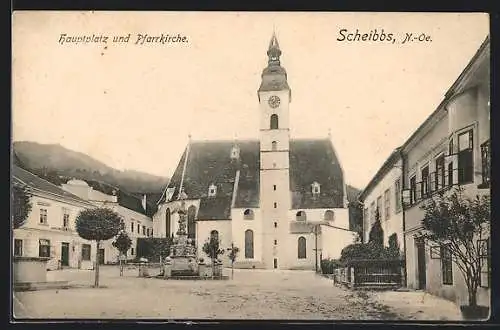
(252, 294)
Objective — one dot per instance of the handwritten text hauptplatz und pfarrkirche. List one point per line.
(139, 39)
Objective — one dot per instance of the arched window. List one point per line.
(329, 215)
(167, 223)
(301, 216)
(214, 235)
(248, 214)
(274, 121)
(249, 244)
(274, 146)
(191, 224)
(301, 248)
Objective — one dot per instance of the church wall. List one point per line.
(289, 252)
(333, 240)
(203, 229)
(159, 229)
(340, 216)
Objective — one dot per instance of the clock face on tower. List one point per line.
(274, 101)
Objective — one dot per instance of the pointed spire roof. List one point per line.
(274, 51)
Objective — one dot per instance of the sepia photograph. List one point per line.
(250, 166)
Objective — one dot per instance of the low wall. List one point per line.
(30, 269)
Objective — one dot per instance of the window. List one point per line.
(465, 158)
(413, 190)
(275, 242)
(315, 187)
(329, 215)
(86, 251)
(43, 216)
(440, 173)
(379, 204)
(446, 265)
(214, 235)
(387, 205)
(131, 251)
(274, 121)
(248, 214)
(44, 248)
(212, 190)
(275, 205)
(131, 227)
(397, 194)
(274, 187)
(151, 232)
(18, 247)
(450, 173)
(484, 260)
(424, 188)
(167, 223)
(144, 230)
(485, 161)
(249, 244)
(301, 247)
(450, 147)
(138, 228)
(66, 220)
(301, 216)
(274, 146)
(275, 225)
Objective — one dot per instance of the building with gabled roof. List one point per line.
(50, 230)
(281, 201)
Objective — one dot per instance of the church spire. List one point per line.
(274, 51)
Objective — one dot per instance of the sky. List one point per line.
(133, 106)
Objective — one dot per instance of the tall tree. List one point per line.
(460, 224)
(98, 224)
(376, 232)
(21, 205)
(122, 243)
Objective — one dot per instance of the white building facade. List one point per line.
(50, 230)
(137, 223)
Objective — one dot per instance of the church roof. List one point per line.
(209, 162)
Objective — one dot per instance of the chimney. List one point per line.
(144, 202)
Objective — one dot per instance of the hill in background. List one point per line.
(58, 164)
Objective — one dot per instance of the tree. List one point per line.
(212, 249)
(98, 224)
(122, 243)
(21, 205)
(233, 253)
(458, 222)
(376, 232)
(394, 245)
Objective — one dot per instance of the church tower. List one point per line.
(274, 99)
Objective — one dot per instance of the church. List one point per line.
(281, 201)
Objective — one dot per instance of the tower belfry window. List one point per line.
(235, 152)
(315, 188)
(274, 121)
(212, 190)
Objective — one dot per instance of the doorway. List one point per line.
(421, 269)
(101, 256)
(64, 254)
(275, 263)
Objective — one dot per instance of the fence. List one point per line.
(373, 274)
